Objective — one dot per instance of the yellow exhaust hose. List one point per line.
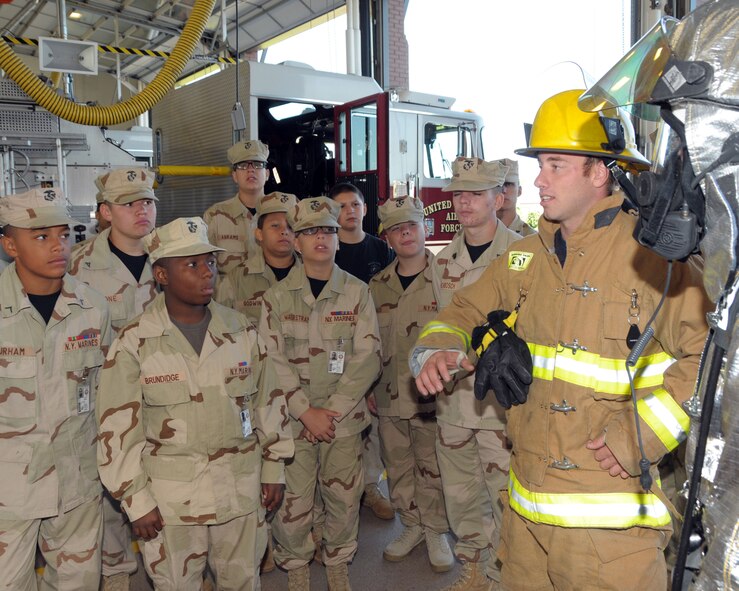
(123, 111)
(187, 170)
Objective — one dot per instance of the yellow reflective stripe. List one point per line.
(434, 327)
(612, 510)
(665, 417)
(601, 374)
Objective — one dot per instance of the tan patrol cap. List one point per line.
(512, 175)
(276, 203)
(248, 150)
(37, 208)
(126, 185)
(474, 174)
(314, 212)
(99, 186)
(179, 238)
(398, 211)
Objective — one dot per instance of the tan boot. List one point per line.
(472, 577)
(268, 560)
(338, 577)
(376, 501)
(440, 554)
(117, 582)
(317, 535)
(299, 579)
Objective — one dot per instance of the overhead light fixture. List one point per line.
(75, 14)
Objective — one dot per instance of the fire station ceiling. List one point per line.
(155, 25)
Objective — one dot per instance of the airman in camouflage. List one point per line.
(231, 223)
(244, 285)
(404, 299)
(471, 444)
(54, 332)
(322, 339)
(115, 264)
(189, 440)
(511, 192)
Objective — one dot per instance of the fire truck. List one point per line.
(321, 128)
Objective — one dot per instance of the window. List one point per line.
(442, 144)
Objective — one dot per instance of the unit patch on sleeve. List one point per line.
(519, 260)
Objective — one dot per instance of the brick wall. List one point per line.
(398, 44)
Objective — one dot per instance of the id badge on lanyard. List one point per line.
(246, 428)
(83, 393)
(336, 358)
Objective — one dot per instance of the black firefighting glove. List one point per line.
(505, 364)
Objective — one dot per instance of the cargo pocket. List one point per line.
(82, 368)
(168, 412)
(15, 456)
(18, 401)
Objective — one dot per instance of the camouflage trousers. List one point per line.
(175, 559)
(408, 449)
(69, 543)
(371, 457)
(118, 555)
(337, 466)
(474, 468)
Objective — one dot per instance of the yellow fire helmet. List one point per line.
(561, 127)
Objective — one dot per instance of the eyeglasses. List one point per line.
(321, 229)
(247, 164)
(400, 228)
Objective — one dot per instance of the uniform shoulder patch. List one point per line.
(519, 260)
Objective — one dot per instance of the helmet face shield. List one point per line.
(631, 81)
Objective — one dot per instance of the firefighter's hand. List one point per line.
(320, 422)
(272, 496)
(605, 458)
(148, 526)
(435, 372)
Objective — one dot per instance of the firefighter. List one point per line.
(564, 309)
(115, 264)
(55, 333)
(511, 192)
(471, 444)
(321, 331)
(697, 146)
(404, 300)
(231, 223)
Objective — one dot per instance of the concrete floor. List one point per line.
(368, 572)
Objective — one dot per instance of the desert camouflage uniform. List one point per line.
(300, 332)
(50, 490)
(521, 227)
(231, 226)
(93, 263)
(171, 437)
(471, 443)
(243, 287)
(407, 422)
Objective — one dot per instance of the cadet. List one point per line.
(231, 223)
(189, 442)
(363, 255)
(322, 337)
(471, 443)
(584, 290)
(511, 192)
(55, 333)
(244, 285)
(404, 299)
(115, 264)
